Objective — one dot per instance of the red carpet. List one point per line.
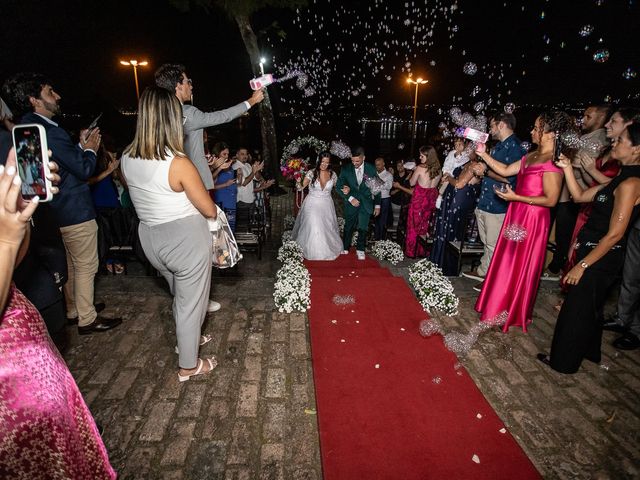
(395, 421)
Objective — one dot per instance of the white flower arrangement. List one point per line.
(341, 225)
(289, 222)
(388, 251)
(294, 147)
(292, 290)
(433, 289)
(290, 251)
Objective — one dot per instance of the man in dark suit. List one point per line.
(72, 208)
(359, 203)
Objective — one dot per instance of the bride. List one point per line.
(316, 228)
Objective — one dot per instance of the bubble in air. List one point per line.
(470, 68)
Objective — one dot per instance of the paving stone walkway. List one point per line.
(254, 417)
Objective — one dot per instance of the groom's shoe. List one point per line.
(344, 252)
(360, 254)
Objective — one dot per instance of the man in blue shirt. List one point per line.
(491, 209)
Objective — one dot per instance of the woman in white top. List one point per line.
(316, 228)
(173, 207)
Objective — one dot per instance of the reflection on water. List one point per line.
(391, 136)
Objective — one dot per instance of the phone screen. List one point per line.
(30, 161)
(557, 149)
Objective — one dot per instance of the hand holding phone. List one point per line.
(92, 140)
(92, 126)
(32, 154)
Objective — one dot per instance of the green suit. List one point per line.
(357, 218)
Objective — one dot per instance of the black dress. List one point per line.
(578, 332)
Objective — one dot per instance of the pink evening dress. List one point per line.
(46, 429)
(511, 284)
(423, 203)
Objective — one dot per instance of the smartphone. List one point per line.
(557, 149)
(30, 142)
(92, 126)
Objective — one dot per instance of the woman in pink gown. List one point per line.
(511, 284)
(46, 429)
(424, 181)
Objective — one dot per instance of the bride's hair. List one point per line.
(314, 175)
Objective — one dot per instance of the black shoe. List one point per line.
(628, 341)
(612, 326)
(100, 306)
(544, 358)
(100, 324)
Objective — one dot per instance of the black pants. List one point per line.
(629, 299)
(578, 332)
(566, 216)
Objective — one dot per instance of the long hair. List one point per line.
(159, 126)
(432, 163)
(316, 171)
(633, 131)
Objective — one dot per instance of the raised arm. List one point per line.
(498, 167)
(183, 177)
(578, 194)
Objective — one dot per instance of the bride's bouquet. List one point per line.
(433, 289)
(294, 169)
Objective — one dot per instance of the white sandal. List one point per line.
(204, 339)
(212, 364)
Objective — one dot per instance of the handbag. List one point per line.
(226, 253)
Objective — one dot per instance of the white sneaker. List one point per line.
(213, 306)
(344, 252)
(360, 254)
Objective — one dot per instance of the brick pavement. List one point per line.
(254, 418)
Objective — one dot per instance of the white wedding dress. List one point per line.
(316, 228)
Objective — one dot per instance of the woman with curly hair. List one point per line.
(425, 180)
(510, 287)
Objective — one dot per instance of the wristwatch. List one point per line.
(584, 264)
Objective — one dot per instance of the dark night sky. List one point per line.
(79, 43)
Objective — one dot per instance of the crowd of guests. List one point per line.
(510, 198)
(160, 189)
(171, 184)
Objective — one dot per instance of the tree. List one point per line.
(241, 11)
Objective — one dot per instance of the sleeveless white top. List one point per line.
(154, 200)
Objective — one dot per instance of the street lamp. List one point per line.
(262, 62)
(135, 64)
(417, 82)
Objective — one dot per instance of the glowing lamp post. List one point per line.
(262, 62)
(135, 64)
(417, 82)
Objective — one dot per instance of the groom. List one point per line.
(358, 202)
